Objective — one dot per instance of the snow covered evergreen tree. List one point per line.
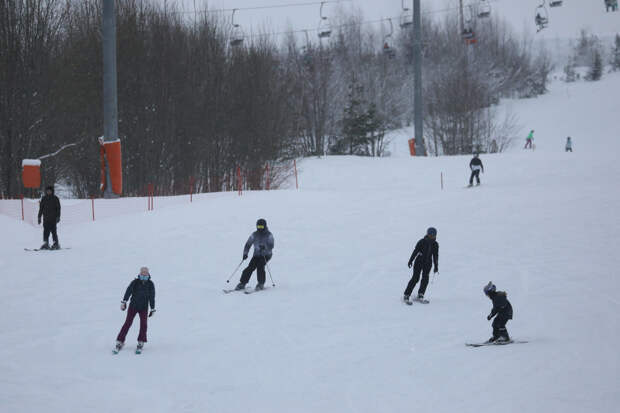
(615, 54)
(596, 69)
(570, 75)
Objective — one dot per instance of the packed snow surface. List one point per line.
(334, 335)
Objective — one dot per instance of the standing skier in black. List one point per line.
(425, 254)
(263, 243)
(502, 311)
(476, 166)
(49, 208)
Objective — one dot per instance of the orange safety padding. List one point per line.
(412, 147)
(31, 176)
(113, 153)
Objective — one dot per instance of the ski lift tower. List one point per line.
(418, 111)
(111, 143)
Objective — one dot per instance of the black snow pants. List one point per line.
(499, 326)
(256, 263)
(49, 226)
(474, 174)
(417, 269)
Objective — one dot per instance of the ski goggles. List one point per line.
(260, 227)
(143, 277)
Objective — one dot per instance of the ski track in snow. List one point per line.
(334, 335)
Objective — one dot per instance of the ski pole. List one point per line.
(236, 269)
(269, 270)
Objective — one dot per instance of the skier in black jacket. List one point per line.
(476, 167)
(263, 243)
(142, 293)
(425, 254)
(49, 208)
(502, 311)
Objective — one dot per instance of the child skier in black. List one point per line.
(502, 311)
(142, 293)
(425, 254)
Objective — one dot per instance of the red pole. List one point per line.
(296, 180)
(22, 198)
(267, 172)
(191, 188)
(92, 205)
(442, 181)
(239, 180)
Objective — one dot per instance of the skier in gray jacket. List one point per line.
(263, 243)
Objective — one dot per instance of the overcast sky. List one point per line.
(565, 21)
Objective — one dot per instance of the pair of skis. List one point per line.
(416, 300)
(46, 249)
(118, 349)
(495, 343)
(244, 291)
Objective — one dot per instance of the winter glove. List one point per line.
(123, 305)
(39, 220)
(409, 264)
(152, 312)
(57, 220)
(245, 257)
(489, 317)
(436, 270)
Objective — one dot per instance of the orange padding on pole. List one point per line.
(412, 147)
(113, 154)
(31, 173)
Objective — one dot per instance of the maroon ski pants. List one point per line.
(131, 314)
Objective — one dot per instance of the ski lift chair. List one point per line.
(542, 17)
(406, 18)
(484, 10)
(388, 50)
(237, 37)
(325, 28)
(469, 36)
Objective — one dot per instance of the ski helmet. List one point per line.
(261, 224)
(431, 231)
(489, 288)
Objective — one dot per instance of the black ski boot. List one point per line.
(139, 347)
(45, 246)
(118, 347)
(259, 287)
(240, 286)
(56, 246)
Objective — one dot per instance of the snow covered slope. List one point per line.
(333, 335)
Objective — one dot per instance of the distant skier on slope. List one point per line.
(502, 311)
(142, 293)
(425, 254)
(569, 144)
(263, 243)
(49, 208)
(529, 140)
(476, 166)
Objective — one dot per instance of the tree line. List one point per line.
(191, 105)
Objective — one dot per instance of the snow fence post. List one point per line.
(92, 205)
(442, 181)
(296, 180)
(22, 199)
(267, 176)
